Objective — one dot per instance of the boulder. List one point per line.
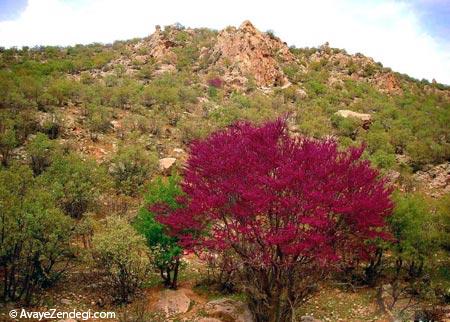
(348, 113)
(229, 310)
(172, 302)
(165, 164)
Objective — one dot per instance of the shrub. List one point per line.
(165, 249)
(377, 139)
(346, 126)
(52, 127)
(64, 90)
(40, 149)
(412, 225)
(8, 141)
(186, 56)
(192, 129)
(34, 233)
(443, 216)
(75, 183)
(425, 151)
(160, 94)
(132, 166)
(121, 254)
(383, 159)
(315, 87)
(216, 82)
(98, 120)
(125, 94)
(293, 73)
(286, 208)
(212, 92)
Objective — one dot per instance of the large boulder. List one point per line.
(172, 302)
(229, 310)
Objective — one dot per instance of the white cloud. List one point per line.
(388, 31)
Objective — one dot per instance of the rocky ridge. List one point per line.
(247, 51)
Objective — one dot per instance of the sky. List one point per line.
(411, 37)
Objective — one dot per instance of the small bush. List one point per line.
(75, 183)
(8, 141)
(41, 150)
(98, 120)
(131, 167)
(122, 256)
(383, 159)
(216, 82)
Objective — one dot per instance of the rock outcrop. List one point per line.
(388, 83)
(436, 179)
(160, 47)
(246, 51)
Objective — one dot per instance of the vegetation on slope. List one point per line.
(82, 129)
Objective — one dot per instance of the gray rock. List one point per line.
(229, 310)
(173, 302)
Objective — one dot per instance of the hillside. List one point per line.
(117, 116)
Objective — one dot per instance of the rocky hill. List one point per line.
(181, 83)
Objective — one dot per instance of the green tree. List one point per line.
(165, 248)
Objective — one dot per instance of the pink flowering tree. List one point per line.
(287, 209)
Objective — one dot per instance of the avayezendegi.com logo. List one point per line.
(54, 314)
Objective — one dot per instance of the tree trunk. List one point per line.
(175, 274)
(277, 309)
